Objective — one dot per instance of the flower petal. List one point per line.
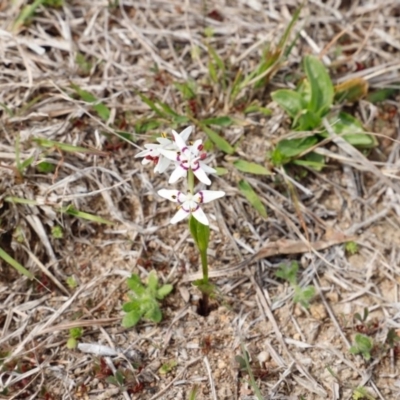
(146, 161)
(178, 140)
(163, 141)
(177, 173)
(210, 195)
(170, 154)
(169, 194)
(202, 176)
(195, 147)
(206, 168)
(162, 165)
(179, 216)
(200, 216)
(186, 133)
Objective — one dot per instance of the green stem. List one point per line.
(204, 265)
(190, 177)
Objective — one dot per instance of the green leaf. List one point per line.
(252, 197)
(168, 367)
(221, 171)
(290, 148)
(307, 121)
(131, 319)
(45, 167)
(134, 283)
(220, 121)
(15, 264)
(152, 281)
(212, 72)
(392, 338)
(26, 14)
(256, 108)
(322, 91)
(146, 125)
(362, 345)
(216, 58)
(200, 233)
(291, 101)
(164, 291)
(251, 168)
(180, 119)
(311, 160)
(381, 95)
(154, 313)
(188, 89)
(152, 105)
(352, 131)
(64, 146)
(76, 333)
(303, 295)
(288, 272)
(134, 305)
(168, 110)
(102, 110)
(80, 214)
(219, 141)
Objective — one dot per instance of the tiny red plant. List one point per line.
(215, 15)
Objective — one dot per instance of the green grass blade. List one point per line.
(219, 141)
(252, 197)
(102, 110)
(15, 264)
(89, 217)
(66, 147)
(251, 168)
(152, 105)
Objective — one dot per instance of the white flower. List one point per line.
(188, 157)
(190, 203)
(153, 154)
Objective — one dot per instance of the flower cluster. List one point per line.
(188, 159)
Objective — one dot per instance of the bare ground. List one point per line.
(129, 48)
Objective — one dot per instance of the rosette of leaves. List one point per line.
(144, 300)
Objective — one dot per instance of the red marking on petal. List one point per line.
(203, 156)
(200, 147)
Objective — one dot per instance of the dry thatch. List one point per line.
(115, 50)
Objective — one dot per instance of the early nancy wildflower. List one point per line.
(190, 204)
(188, 157)
(190, 161)
(153, 151)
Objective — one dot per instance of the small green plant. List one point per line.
(243, 361)
(361, 393)
(144, 301)
(307, 106)
(118, 379)
(74, 335)
(28, 12)
(362, 345)
(193, 393)
(302, 296)
(362, 318)
(392, 338)
(57, 232)
(71, 282)
(167, 367)
(351, 248)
